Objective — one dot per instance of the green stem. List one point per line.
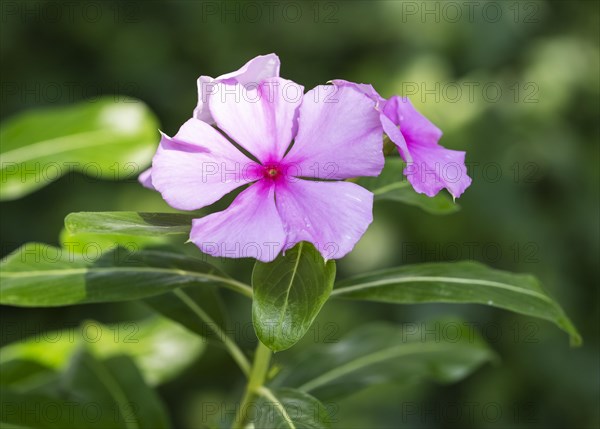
(231, 346)
(258, 374)
(266, 393)
(239, 287)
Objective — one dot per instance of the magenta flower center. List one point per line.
(272, 171)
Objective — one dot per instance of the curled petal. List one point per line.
(434, 168)
(430, 167)
(249, 228)
(393, 132)
(198, 166)
(331, 215)
(205, 88)
(145, 178)
(260, 118)
(415, 127)
(254, 71)
(365, 88)
(339, 135)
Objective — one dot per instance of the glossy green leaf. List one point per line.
(90, 393)
(290, 409)
(393, 186)
(39, 275)
(84, 243)
(444, 351)
(288, 294)
(458, 282)
(105, 139)
(160, 348)
(129, 223)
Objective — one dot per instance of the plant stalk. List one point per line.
(258, 374)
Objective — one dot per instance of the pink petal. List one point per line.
(254, 71)
(339, 135)
(331, 215)
(145, 178)
(206, 86)
(198, 166)
(415, 127)
(259, 118)
(393, 132)
(434, 168)
(365, 88)
(430, 167)
(249, 228)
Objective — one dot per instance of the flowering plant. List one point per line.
(304, 170)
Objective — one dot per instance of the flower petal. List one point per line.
(430, 167)
(249, 228)
(145, 178)
(339, 135)
(198, 166)
(331, 215)
(205, 88)
(254, 71)
(259, 118)
(415, 127)
(393, 132)
(365, 88)
(434, 168)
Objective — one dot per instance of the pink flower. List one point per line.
(429, 166)
(336, 135)
(254, 71)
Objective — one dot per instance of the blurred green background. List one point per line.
(513, 83)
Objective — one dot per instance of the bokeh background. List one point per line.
(513, 83)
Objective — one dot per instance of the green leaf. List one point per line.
(85, 243)
(161, 348)
(443, 351)
(67, 413)
(21, 372)
(90, 393)
(393, 186)
(117, 383)
(129, 223)
(288, 294)
(105, 139)
(39, 275)
(458, 282)
(288, 408)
